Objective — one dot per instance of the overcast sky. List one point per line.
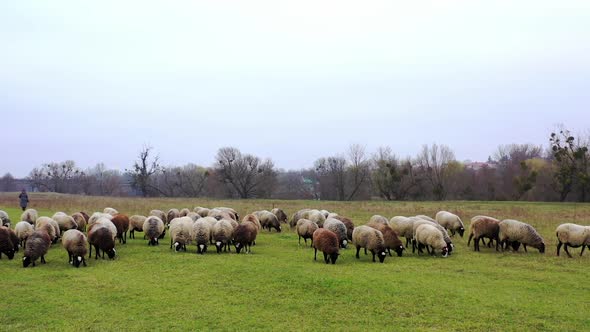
(289, 80)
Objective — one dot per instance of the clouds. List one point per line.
(189, 77)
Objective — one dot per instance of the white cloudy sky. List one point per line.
(290, 80)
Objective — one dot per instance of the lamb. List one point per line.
(80, 221)
(153, 228)
(110, 211)
(427, 235)
(184, 212)
(403, 226)
(203, 212)
(202, 234)
(243, 237)
(517, 233)
(75, 243)
(268, 220)
(37, 246)
(418, 221)
(5, 219)
(172, 214)
(222, 233)
(296, 216)
(349, 226)
(160, 214)
(64, 222)
(339, 229)
(30, 216)
(451, 222)
(327, 242)
(121, 222)
(378, 219)
(305, 229)
(391, 241)
(23, 230)
(253, 219)
(281, 215)
(181, 233)
(50, 227)
(574, 236)
(483, 227)
(101, 237)
(7, 243)
(135, 224)
(371, 239)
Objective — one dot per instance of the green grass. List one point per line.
(280, 287)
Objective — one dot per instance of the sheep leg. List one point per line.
(389, 251)
(524, 246)
(559, 248)
(84, 261)
(413, 246)
(358, 249)
(315, 254)
(567, 251)
(90, 254)
(497, 241)
(170, 242)
(300, 240)
(125, 238)
(428, 250)
(326, 259)
(469, 240)
(583, 247)
(96, 252)
(373, 252)
(43, 259)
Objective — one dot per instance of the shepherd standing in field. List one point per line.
(24, 199)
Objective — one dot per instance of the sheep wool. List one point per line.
(64, 222)
(450, 221)
(101, 237)
(369, 239)
(121, 222)
(75, 243)
(572, 235)
(181, 233)
(5, 219)
(515, 232)
(202, 234)
(297, 216)
(305, 229)
(135, 224)
(7, 245)
(222, 233)
(349, 225)
(390, 239)
(326, 241)
(377, 219)
(268, 220)
(403, 226)
(50, 227)
(153, 228)
(243, 237)
(339, 229)
(280, 214)
(427, 235)
(80, 221)
(483, 227)
(37, 246)
(30, 216)
(23, 230)
(160, 214)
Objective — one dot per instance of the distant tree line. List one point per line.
(557, 172)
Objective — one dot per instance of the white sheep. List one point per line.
(202, 234)
(23, 230)
(451, 222)
(153, 228)
(427, 235)
(5, 219)
(515, 233)
(572, 235)
(76, 244)
(370, 239)
(403, 226)
(30, 216)
(181, 233)
(110, 211)
(339, 229)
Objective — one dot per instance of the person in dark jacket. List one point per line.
(24, 199)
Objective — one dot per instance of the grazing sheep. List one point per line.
(202, 234)
(37, 246)
(64, 222)
(172, 214)
(135, 224)
(370, 239)
(574, 236)
(483, 227)
(305, 229)
(222, 233)
(517, 233)
(281, 215)
(427, 235)
(30, 216)
(7, 245)
(268, 220)
(101, 237)
(390, 239)
(296, 216)
(203, 212)
(110, 211)
(194, 216)
(326, 241)
(153, 228)
(349, 226)
(333, 215)
(316, 216)
(23, 230)
(451, 222)
(219, 214)
(50, 227)
(325, 213)
(160, 214)
(85, 215)
(5, 219)
(243, 237)
(232, 213)
(105, 222)
(403, 226)
(339, 229)
(419, 221)
(253, 219)
(378, 219)
(181, 233)
(121, 222)
(75, 243)
(80, 221)
(234, 224)
(97, 215)
(183, 212)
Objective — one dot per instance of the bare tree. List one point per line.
(358, 169)
(56, 177)
(143, 170)
(332, 177)
(7, 183)
(394, 179)
(246, 174)
(434, 162)
(572, 162)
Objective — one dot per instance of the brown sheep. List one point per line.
(390, 239)
(483, 227)
(243, 237)
(281, 215)
(327, 242)
(37, 246)
(121, 221)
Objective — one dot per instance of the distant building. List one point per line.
(476, 165)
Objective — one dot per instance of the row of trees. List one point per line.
(515, 172)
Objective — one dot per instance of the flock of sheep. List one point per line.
(221, 227)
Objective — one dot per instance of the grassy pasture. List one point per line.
(280, 287)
